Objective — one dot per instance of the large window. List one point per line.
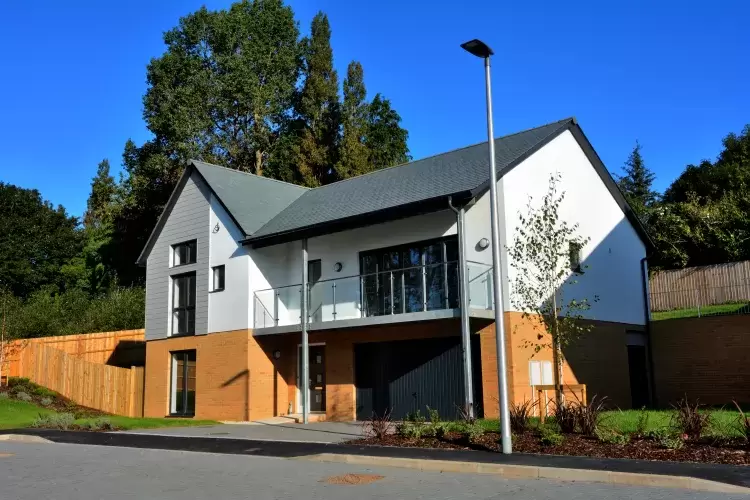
(183, 304)
(184, 253)
(182, 394)
(410, 278)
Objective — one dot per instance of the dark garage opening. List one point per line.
(409, 375)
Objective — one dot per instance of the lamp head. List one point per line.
(478, 48)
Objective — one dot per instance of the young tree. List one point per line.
(353, 153)
(318, 106)
(100, 205)
(545, 258)
(637, 182)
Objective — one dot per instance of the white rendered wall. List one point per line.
(227, 309)
(614, 252)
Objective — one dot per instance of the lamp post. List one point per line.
(481, 50)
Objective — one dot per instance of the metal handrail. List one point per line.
(365, 275)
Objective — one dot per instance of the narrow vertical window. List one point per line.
(218, 278)
(183, 304)
(574, 251)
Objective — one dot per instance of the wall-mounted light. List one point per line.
(216, 228)
(276, 354)
(338, 267)
(484, 243)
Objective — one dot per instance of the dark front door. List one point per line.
(317, 378)
(638, 368)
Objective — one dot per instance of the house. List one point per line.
(381, 255)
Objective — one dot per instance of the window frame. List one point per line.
(189, 244)
(175, 357)
(186, 308)
(214, 288)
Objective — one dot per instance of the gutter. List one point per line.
(647, 312)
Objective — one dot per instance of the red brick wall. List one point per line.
(704, 358)
(599, 360)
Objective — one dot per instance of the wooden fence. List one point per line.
(107, 388)
(122, 348)
(700, 286)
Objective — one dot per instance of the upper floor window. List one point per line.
(574, 251)
(183, 304)
(218, 278)
(184, 253)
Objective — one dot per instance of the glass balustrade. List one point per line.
(411, 290)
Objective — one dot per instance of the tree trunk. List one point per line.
(556, 354)
(258, 162)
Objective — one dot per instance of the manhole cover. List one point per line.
(353, 479)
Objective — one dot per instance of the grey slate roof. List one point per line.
(459, 171)
(250, 199)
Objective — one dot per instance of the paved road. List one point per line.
(78, 472)
(319, 432)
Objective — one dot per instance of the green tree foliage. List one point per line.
(541, 260)
(385, 138)
(36, 241)
(637, 183)
(318, 107)
(354, 156)
(704, 217)
(45, 314)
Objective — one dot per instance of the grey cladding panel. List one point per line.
(188, 220)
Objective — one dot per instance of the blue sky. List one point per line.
(672, 74)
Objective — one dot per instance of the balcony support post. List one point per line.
(305, 375)
(463, 286)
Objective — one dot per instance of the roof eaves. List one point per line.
(361, 220)
(141, 261)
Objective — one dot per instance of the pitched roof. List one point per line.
(271, 212)
(462, 171)
(250, 199)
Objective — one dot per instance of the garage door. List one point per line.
(408, 375)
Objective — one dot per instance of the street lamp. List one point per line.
(481, 50)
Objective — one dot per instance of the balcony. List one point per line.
(409, 294)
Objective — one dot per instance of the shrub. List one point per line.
(413, 426)
(642, 425)
(4, 395)
(520, 415)
(464, 415)
(666, 439)
(690, 420)
(45, 401)
(38, 390)
(18, 381)
(566, 416)
(589, 415)
(62, 421)
(743, 423)
(610, 436)
(550, 437)
(378, 426)
(98, 424)
(23, 396)
(474, 431)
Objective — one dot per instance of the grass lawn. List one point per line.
(704, 311)
(724, 422)
(15, 414)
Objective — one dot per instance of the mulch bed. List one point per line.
(705, 451)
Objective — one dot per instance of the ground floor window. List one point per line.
(182, 397)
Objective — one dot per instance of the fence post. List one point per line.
(131, 393)
(698, 300)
